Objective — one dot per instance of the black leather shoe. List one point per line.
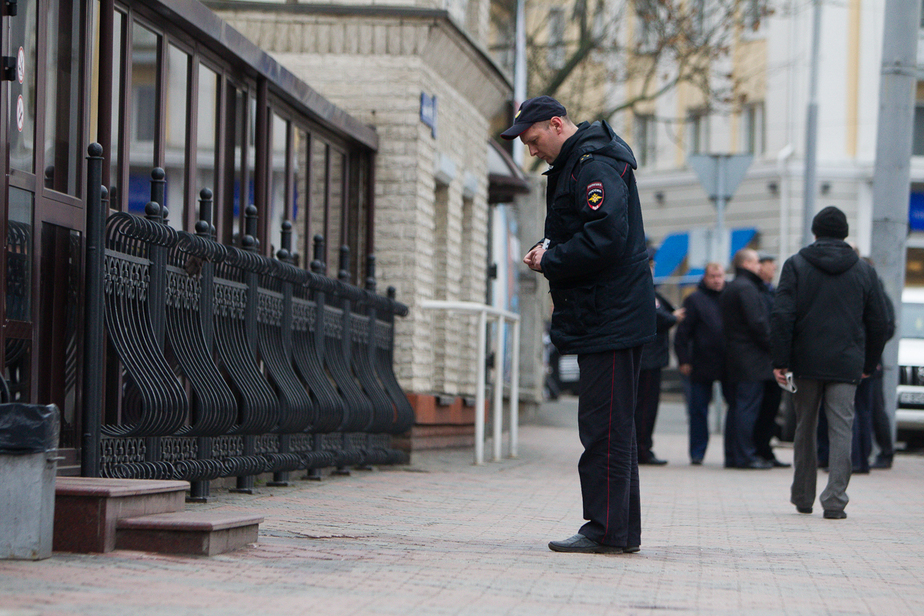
(881, 463)
(696, 461)
(777, 464)
(804, 509)
(835, 514)
(653, 460)
(758, 465)
(583, 545)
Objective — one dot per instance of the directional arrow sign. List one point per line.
(720, 174)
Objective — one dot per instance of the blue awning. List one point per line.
(671, 253)
(675, 247)
(739, 239)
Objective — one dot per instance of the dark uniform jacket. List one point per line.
(657, 354)
(596, 261)
(830, 318)
(747, 329)
(700, 338)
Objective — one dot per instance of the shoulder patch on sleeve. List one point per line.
(595, 195)
(586, 158)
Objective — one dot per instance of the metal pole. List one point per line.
(93, 330)
(498, 414)
(811, 130)
(479, 389)
(519, 69)
(721, 254)
(891, 175)
(515, 392)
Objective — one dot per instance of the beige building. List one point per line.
(420, 76)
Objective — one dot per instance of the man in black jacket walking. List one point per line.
(595, 259)
(747, 359)
(829, 327)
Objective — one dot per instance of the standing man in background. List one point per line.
(700, 347)
(655, 357)
(747, 359)
(595, 259)
(770, 404)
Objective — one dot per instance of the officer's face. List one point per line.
(544, 140)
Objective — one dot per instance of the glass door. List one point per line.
(41, 207)
(19, 90)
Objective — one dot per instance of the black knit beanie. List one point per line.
(830, 222)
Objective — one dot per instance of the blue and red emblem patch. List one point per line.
(595, 195)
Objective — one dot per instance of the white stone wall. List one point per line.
(376, 68)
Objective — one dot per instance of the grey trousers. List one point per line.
(839, 410)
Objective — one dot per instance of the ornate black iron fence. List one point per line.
(229, 363)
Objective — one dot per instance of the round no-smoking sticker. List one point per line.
(20, 113)
(21, 65)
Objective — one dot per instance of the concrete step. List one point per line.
(87, 508)
(203, 533)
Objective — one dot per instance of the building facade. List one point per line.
(157, 84)
(418, 72)
(770, 65)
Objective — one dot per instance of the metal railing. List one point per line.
(222, 362)
(500, 317)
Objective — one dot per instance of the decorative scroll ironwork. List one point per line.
(232, 364)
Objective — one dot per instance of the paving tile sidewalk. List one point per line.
(444, 537)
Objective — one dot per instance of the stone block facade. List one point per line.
(432, 214)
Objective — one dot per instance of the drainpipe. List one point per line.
(781, 160)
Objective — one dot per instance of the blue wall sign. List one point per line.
(916, 212)
(428, 112)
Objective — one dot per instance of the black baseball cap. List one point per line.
(534, 110)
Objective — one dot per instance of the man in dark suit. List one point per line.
(747, 359)
(655, 357)
(700, 347)
(765, 425)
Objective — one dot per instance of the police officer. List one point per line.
(595, 259)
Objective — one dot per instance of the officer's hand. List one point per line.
(680, 313)
(533, 258)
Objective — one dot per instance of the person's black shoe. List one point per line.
(778, 464)
(583, 545)
(835, 514)
(758, 465)
(881, 463)
(806, 510)
(860, 471)
(653, 460)
(696, 461)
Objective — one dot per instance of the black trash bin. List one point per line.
(28, 465)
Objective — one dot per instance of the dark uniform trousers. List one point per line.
(609, 466)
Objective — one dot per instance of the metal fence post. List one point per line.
(199, 490)
(157, 286)
(318, 267)
(94, 332)
(249, 243)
